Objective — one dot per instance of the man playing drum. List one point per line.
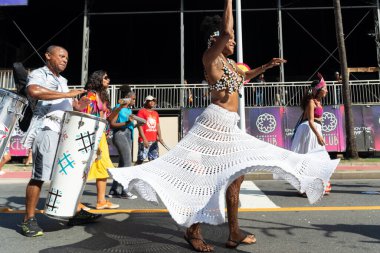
(50, 89)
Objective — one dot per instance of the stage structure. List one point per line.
(375, 7)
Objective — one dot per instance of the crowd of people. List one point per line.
(203, 173)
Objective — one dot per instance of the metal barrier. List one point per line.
(271, 94)
(6, 80)
(173, 96)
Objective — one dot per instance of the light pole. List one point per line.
(239, 43)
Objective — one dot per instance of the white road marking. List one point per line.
(252, 197)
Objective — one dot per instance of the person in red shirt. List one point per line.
(149, 133)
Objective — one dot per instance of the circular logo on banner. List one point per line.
(4, 131)
(266, 123)
(329, 122)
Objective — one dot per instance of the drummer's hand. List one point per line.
(81, 104)
(75, 92)
(131, 118)
(85, 174)
(146, 144)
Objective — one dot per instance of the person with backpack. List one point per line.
(49, 88)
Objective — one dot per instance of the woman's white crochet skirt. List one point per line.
(305, 141)
(192, 178)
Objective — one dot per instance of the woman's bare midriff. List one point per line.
(225, 100)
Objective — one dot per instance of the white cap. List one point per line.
(149, 98)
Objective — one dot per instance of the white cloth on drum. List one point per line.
(53, 120)
(192, 178)
(305, 141)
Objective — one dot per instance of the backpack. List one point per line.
(20, 76)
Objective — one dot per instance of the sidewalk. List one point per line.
(368, 168)
(16, 170)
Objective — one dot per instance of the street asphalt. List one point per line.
(347, 221)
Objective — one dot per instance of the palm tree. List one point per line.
(351, 150)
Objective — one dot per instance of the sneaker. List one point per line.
(83, 217)
(106, 205)
(113, 194)
(30, 228)
(2, 172)
(302, 194)
(128, 195)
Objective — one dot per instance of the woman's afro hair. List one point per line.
(210, 25)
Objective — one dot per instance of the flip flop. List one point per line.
(328, 189)
(233, 244)
(189, 239)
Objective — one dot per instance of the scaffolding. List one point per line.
(280, 10)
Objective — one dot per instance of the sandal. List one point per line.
(328, 189)
(189, 239)
(233, 244)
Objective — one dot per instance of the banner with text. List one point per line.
(276, 125)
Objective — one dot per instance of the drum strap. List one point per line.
(54, 118)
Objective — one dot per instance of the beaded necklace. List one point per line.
(230, 80)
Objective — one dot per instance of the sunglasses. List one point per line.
(106, 78)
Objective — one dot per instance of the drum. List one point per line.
(77, 148)
(12, 107)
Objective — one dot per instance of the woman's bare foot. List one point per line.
(195, 239)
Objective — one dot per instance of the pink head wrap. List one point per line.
(319, 86)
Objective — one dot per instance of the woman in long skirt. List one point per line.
(204, 171)
(308, 134)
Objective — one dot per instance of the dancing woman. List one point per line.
(308, 133)
(204, 171)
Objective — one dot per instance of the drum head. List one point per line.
(14, 95)
(85, 115)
